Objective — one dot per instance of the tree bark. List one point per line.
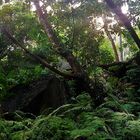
(124, 19)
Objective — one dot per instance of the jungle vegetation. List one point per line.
(69, 70)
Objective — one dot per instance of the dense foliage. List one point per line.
(105, 104)
(117, 118)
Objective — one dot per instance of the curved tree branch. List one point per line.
(39, 59)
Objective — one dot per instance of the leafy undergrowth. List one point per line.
(113, 120)
(118, 118)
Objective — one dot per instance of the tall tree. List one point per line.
(111, 39)
(124, 19)
(83, 80)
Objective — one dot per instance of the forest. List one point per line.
(69, 70)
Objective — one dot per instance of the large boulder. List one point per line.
(46, 92)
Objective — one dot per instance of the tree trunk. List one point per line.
(124, 19)
(113, 45)
(121, 48)
(110, 38)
